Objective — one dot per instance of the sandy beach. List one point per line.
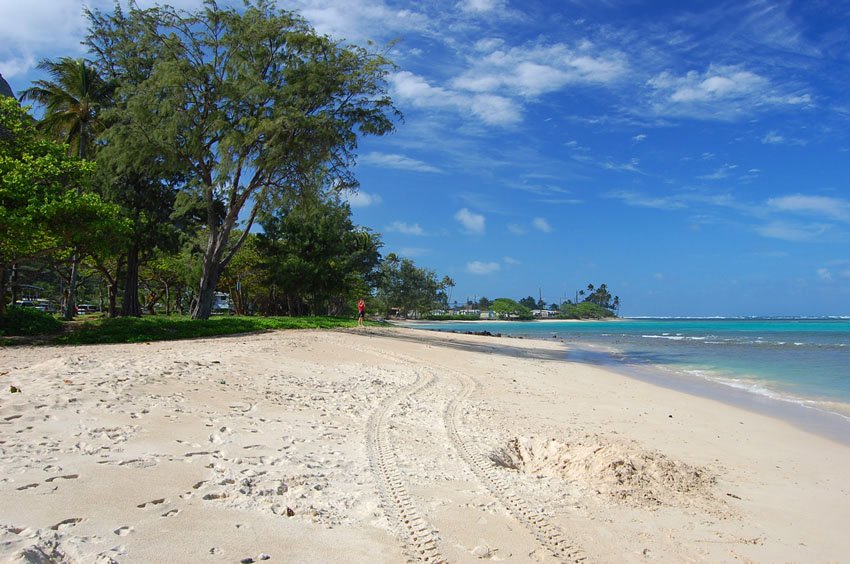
(394, 445)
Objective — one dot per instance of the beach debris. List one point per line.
(14, 389)
(733, 495)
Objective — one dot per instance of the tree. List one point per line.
(507, 308)
(406, 288)
(449, 284)
(246, 103)
(315, 254)
(528, 302)
(42, 207)
(73, 101)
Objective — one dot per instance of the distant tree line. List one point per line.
(594, 303)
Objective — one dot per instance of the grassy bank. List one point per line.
(175, 327)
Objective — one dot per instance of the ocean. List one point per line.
(792, 368)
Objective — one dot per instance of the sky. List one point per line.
(693, 156)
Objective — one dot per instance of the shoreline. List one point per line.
(320, 446)
(827, 424)
(827, 418)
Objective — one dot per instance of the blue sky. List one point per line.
(691, 155)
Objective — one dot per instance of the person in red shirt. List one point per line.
(361, 312)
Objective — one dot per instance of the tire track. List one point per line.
(416, 533)
(547, 534)
(538, 524)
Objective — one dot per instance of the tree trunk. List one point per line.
(209, 276)
(112, 292)
(131, 306)
(70, 304)
(167, 300)
(3, 295)
(16, 287)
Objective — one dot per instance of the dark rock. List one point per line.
(5, 89)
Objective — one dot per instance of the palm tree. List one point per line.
(72, 100)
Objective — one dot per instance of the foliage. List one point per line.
(34, 177)
(404, 288)
(584, 310)
(449, 317)
(72, 102)
(29, 321)
(528, 302)
(245, 277)
(245, 102)
(42, 207)
(162, 328)
(315, 255)
(507, 308)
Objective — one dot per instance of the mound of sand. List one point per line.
(620, 471)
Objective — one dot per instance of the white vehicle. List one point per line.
(83, 309)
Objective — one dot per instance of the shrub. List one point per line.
(28, 321)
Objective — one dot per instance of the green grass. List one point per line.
(175, 327)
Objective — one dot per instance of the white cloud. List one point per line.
(481, 6)
(530, 71)
(831, 208)
(510, 261)
(361, 199)
(791, 232)
(397, 162)
(478, 267)
(359, 20)
(824, 274)
(496, 110)
(541, 224)
(471, 222)
(644, 201)
(406, 229)
(631, 166)
(517, 229)
(639, 137)
(491, 109)
(720, 173)
(773, 138)
(721, 92)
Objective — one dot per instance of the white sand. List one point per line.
(388, 445)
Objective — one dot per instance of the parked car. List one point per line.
(83, 309)
(39, 304)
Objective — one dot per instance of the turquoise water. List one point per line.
(800, 361)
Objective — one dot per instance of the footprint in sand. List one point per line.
(28, 486)
(171, 512)
(66, 523)
(66, 477)
(123, 531)
(151, 503)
